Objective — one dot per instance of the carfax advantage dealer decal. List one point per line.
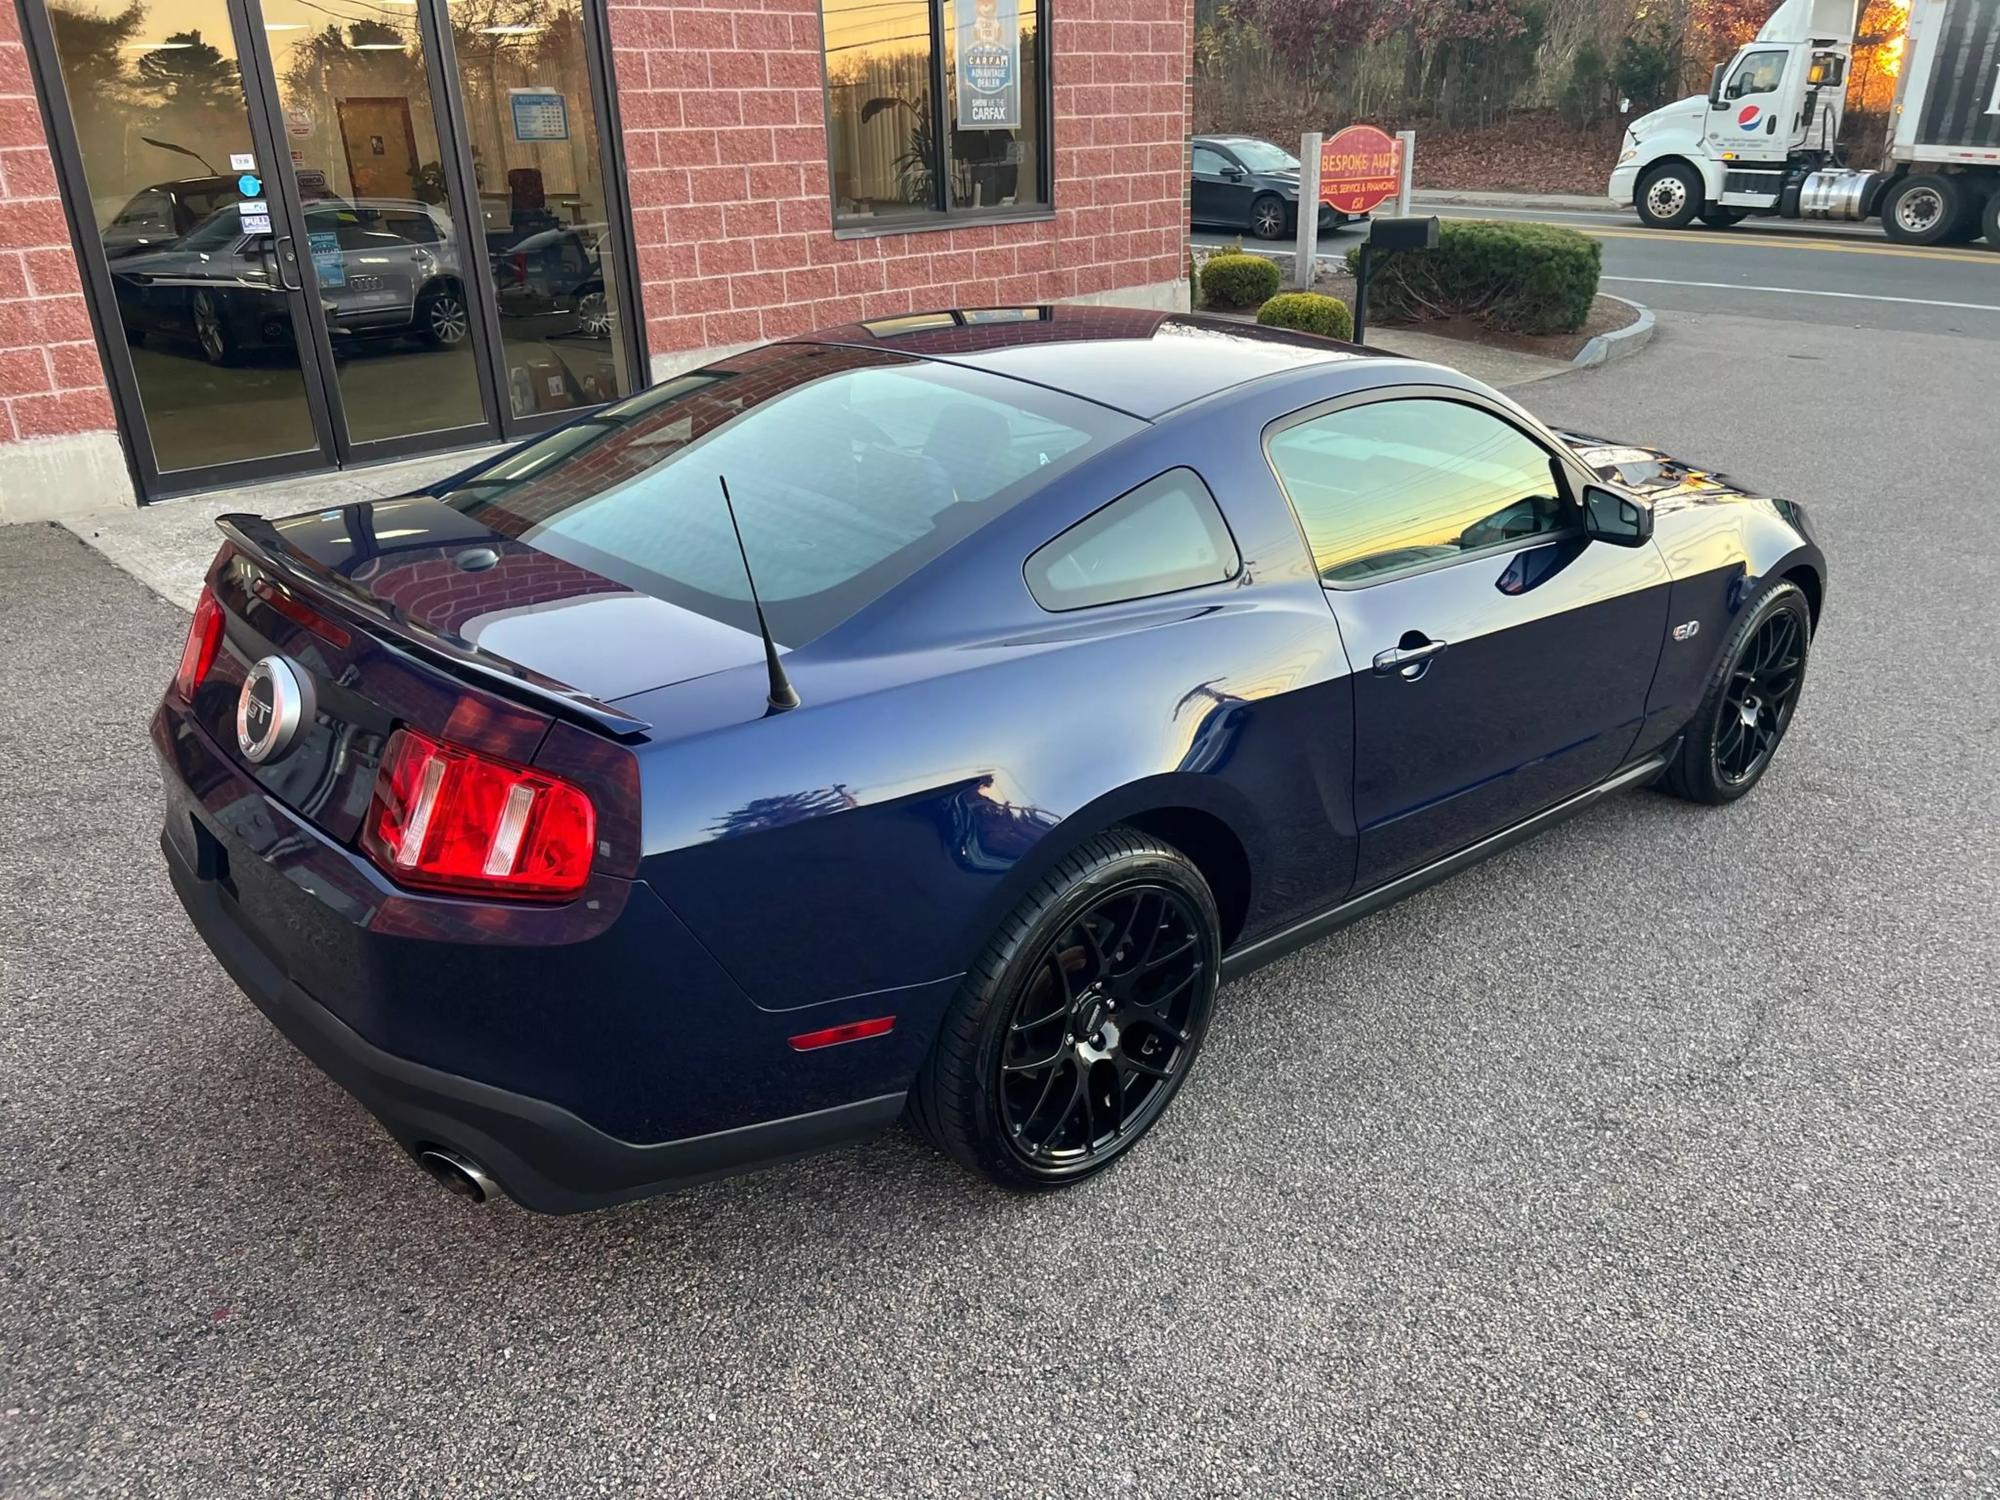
(989, 64)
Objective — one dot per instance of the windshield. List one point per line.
(1262, 156)
(849, 469)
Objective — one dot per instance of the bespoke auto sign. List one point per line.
(1360, 169)
(273, 703)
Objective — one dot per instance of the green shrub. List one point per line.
(1238, 280)
(1523, 278)
(1310, 313)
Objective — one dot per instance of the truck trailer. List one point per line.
(1765, 138)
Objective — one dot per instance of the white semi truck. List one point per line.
(1765, 139)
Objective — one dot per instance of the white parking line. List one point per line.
(1799, 291)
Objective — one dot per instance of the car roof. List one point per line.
(1139, 362)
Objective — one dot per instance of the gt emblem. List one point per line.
(1688, 631)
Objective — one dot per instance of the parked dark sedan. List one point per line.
(1101, 655)
(1244, 183)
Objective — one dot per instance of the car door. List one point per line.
(1501, 659)
(1221, 193)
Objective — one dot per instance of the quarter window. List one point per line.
(1162, 537)
(1396, 485)
(934, 109)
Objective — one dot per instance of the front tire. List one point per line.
(1669, 196)
(1750, 700)
(442, 320)
(1989, 222)
(211, 329)
(1076, 1027)
(1923, 209)
(1267, 217)
(1722, 218)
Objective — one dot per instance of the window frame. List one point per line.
(1231, 579)
(1569, 482)
(940, 214)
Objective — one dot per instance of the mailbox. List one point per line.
(1403, 234)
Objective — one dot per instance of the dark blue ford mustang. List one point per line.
(1129, 651)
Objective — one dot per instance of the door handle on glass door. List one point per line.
(1409, 660)
(287, 255)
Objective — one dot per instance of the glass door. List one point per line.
(191, 264)
(329, 231)
(387, 253)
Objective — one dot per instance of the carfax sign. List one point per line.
(989, 65)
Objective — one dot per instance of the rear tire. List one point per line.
(1076, 1027)
(1923, 209)
(1751, 697)
(1669, 197)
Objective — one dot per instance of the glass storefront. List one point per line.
(334, 230)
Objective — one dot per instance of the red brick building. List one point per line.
(242, 239)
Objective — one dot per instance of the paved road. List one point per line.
(1844, 275)
(1656, 1158)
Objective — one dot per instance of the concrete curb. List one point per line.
(1573, 203)
(1620, 343)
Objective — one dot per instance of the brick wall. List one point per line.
(725, 140)
(51, 379)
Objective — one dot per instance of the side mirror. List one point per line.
(1615, 519)
(1715, 86)
(1234, 173)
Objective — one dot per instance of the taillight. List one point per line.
(204, 636)
(447, 818)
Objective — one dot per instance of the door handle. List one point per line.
(286, 254)
(1409, 660)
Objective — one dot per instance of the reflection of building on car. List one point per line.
(385, 267)
(158, 216)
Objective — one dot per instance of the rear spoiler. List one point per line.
(261, 540)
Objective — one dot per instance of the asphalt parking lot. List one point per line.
(1658, 1157)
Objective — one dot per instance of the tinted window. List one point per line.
(1208, 159)
(1398, 484)
(849, 470)
(150, 210)
(1164, 536)
(217, 233)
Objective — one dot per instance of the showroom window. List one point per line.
(936, 110)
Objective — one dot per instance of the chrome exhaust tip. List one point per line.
(458, 1174)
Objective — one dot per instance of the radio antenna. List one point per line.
(782, 695)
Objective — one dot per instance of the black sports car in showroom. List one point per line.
(1241, 182)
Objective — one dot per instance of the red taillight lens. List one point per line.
(204, 636)
(450, 819)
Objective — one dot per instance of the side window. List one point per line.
(1208, 159)
(1162, 537)
(1396, 485)
(1758, 73)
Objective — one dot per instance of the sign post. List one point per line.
(1406, 140)
(1305, 260)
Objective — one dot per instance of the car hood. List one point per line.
(1682, 114)
(1668, 483)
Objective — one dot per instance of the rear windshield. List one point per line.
(849, 470)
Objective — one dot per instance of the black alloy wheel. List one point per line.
(1099, 1030)
(1267, 217)
(1750, 701)
(1080, 1023)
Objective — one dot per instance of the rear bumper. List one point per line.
(545, 1157)
(583, 1055)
